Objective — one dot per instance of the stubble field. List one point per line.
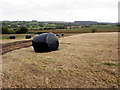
(82, 61)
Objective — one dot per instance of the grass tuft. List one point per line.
(111, 64)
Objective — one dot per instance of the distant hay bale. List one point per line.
(58, 35)
(62, 34)
(93, 30)
(27, 36)
(12, 37)
(45, 42)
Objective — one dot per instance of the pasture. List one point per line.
(68, 32)
(82, 61)
(99, 28)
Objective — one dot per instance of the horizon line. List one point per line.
(62, 21)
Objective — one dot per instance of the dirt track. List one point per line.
(15, 45)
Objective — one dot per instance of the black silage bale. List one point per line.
(57, 34)
(12, 37)
(62, 34)
(45, 42)
(27, 36)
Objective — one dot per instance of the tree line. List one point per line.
(20, 30)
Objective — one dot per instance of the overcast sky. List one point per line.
(60, 10)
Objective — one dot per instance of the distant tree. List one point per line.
(22, 30)
(11, 32)
(5, 30)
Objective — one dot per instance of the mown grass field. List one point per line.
(83, 61)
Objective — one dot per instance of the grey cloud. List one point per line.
(47, 9)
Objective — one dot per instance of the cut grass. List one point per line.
(79, 63)
(111, 64)
(50, 60)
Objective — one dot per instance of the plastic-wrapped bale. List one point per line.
(27, 36)
(62, 34)
(45, 42)
(57, 34)
(12, 37)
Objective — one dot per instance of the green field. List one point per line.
(98, 28)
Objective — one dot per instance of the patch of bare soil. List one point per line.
(15, 45)
(82, 61)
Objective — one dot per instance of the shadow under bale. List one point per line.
(12, 37)
(45, 42)
(27, 36)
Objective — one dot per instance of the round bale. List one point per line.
(62, 34)
(57, 34)
(12, 37)
(45, 42)
(27, 36)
